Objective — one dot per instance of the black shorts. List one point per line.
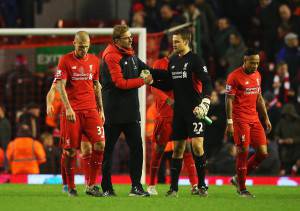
(186, 125)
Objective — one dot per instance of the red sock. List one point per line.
(96, 162)
(154, 166)
(191, 168)
(86, 166)
(241, 169)
(63, 170)
(254, 161)
(69, 164)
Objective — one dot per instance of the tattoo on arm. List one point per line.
(229, 99)
(261, 107)
(98, 95)
(50, 95)
(61, 88)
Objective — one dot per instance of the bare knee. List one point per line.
(99, 146)
(70, 152)
(179, 148)
(197, 145)
(86, 148)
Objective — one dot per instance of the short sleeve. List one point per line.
(231, 85)
(62, 71)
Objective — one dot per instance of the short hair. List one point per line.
(45, 135)
(251, 52)
(185, 34)
(119, 30)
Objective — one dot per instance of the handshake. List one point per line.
(202, 109)
(146, 76)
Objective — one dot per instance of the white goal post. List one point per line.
(140, 32)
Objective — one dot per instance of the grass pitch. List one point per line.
(50, 197)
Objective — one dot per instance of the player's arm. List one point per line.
(261, 108)
(98, 95)
(228, 104)
(112, 61)
(160, 78)
(61, 88)
(49, 99)
(201, 73)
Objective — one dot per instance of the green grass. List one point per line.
(50, 197)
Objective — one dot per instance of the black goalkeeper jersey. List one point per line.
(188, 77)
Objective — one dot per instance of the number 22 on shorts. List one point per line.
(198, 127)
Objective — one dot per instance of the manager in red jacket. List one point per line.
(120, 81)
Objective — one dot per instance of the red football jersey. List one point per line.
(80, 74)
(246, 89)
(162, 108)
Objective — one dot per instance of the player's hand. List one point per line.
(50, 110)
(229, 130)
(146, 75)
(268, 125)
(102, 116)
(202, 109)
(70, 115)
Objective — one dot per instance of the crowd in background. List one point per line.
(227, 28)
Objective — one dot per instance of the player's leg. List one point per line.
(161, 136)
(196, 132)
(93, 129)
(200, 163)
(259, 142)
(189, 164)
(112, 133)
(179, 134)
(62, 158)
(71, 142)
(242, 141)
(132, 132)
(86, 154)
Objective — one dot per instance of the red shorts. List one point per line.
(246, 134)
(162, 131)
(88, 127)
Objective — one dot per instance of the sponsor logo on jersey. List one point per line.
(73, 67)
(184, 74)
(185, 66)
(173, 66)
(205, 69)
(252, 90)
(91, 68)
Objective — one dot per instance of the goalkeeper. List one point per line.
(188, 77)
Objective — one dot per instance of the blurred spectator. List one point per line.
(220, 88)
(192, 14)
(288, 20)
(5, 129)
(221, 41)
(24, 153)
(274, 111)
(234, 54)
(152, 16)
(281, 83)
(169, 18)
(224, 161)
(287, 134)
(208, 12)
(52, 164)
(31, 117)
(214, 135)
(290, 53)
(138, 20)
(267, 19)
